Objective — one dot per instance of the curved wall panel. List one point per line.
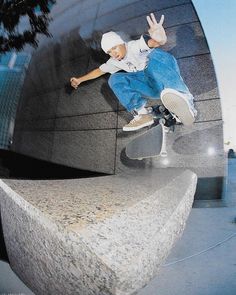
(83, 128)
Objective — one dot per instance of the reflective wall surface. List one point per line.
(83, 128)
(12, 74)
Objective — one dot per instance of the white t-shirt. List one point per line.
(135, 60)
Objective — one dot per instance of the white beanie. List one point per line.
(110, 40)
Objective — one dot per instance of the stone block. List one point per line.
(208, 110)
(32, 84)
(174, 17)
(74, 68)
(70, 47)
(199, 75)
(123, 14)
(44, 57)
(37, 144)
(109, 6)
(104, 236)
(62, 6)
(74, 17)
(91, 150)
(177, 36)
(87, 122)
(91, 97)
(43, 80)
(36, 125)
(38, 107)
(204, 139)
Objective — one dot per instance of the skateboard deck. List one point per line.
(149, 144)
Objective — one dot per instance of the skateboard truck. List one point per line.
(167, 122)
(160, 112)
(163, 152)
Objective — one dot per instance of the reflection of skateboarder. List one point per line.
(149, 72)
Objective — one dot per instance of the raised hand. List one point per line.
(156, 30)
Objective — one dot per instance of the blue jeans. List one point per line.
(161, 72)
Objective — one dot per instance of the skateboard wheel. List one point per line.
(163, 154)
(161, 108)
(162, 121)
(149, 110)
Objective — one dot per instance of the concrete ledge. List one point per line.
(107, 235)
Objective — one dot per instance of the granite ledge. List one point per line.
(117, 253)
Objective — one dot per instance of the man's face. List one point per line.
(118, 52)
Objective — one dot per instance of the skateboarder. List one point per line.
(150, 72)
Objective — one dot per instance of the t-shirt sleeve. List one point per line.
(109, 67)
(142, 43)
(139, 46)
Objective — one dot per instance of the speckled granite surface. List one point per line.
(85, 201)
(105, 235)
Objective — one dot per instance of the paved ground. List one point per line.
(212, 271)
(203, 262)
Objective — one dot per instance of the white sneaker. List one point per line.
(180, 105)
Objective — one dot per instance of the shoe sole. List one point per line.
(138, 127)
(178, 106)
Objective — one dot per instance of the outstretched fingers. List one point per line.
(162, 20)
(149, 21)
(152, 20)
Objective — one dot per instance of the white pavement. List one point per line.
(210, 273)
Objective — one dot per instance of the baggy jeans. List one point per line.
(162, 71)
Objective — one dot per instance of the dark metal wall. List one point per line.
(82, 128)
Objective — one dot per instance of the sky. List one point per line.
(218, 19)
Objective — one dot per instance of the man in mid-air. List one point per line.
(147, 72)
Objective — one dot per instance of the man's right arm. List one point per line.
(75, 82)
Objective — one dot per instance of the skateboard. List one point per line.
(152, 143)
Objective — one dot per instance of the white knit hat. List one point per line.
(110, 40)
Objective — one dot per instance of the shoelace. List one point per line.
(136, 118)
